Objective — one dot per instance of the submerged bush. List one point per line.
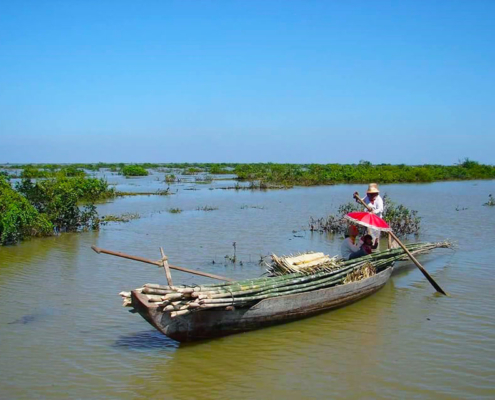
(134, 170)
(490, 202)
(402, 220)
(58, 199)
(18, 218)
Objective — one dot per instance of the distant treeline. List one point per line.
(287, 174)
(318, 174)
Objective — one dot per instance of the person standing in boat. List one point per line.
(350, 247)
(374, 201)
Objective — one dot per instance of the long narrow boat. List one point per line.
(208, 324)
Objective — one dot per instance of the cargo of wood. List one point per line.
(321, 271)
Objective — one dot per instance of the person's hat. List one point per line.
(352, 230)
(373, 188)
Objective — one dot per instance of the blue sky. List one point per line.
(247, 81)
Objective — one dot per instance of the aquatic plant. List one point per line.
(170, 178)
(174, 210)
(491, 201)
(18, 218)
(126, 217)
(402, 220)
(133, 170)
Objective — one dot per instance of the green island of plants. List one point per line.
(134, 170)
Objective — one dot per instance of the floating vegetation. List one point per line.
(134, 170)
(491, 201)
(174, 210)
(256, 186)
(170, 178)
(202, 180)
(126, 217)
(164, 192)
(206, 208)
(402, 220)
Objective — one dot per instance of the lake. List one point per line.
(64, 333)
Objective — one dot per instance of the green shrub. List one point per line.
(402, 220)
(18, 218)
(58, 199)
(134, 170)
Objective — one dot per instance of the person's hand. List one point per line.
(355, 195)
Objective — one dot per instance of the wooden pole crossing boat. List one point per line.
(297, 287)
(208, 324)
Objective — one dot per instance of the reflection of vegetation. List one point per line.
(134, 170)
(204, 179)
(491, 201)
(402, 220)
(206, 208)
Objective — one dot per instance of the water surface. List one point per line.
(64, 333)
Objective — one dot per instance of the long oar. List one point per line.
(159, 263)
(413, 259)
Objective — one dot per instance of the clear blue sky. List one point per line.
(247, 81)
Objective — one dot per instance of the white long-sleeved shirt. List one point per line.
(377, 205)
(347, 248)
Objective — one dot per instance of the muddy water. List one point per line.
(64, 334)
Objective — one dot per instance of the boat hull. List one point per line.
(207, 324)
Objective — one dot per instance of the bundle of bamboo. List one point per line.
(181, 299)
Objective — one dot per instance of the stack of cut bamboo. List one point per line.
(288, 275)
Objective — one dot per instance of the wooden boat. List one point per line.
(207, 324)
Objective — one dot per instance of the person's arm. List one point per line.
(375, 245)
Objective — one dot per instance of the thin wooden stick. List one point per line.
(413, 259)
(166, 268)
(159, 264)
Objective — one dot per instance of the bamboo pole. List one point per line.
(160, 264)
(413, 259)
(165, 267)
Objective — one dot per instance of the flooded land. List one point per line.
(65, 334)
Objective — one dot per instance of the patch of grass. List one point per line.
(174, 210)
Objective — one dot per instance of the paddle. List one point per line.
(413, 259)
(159, 263)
